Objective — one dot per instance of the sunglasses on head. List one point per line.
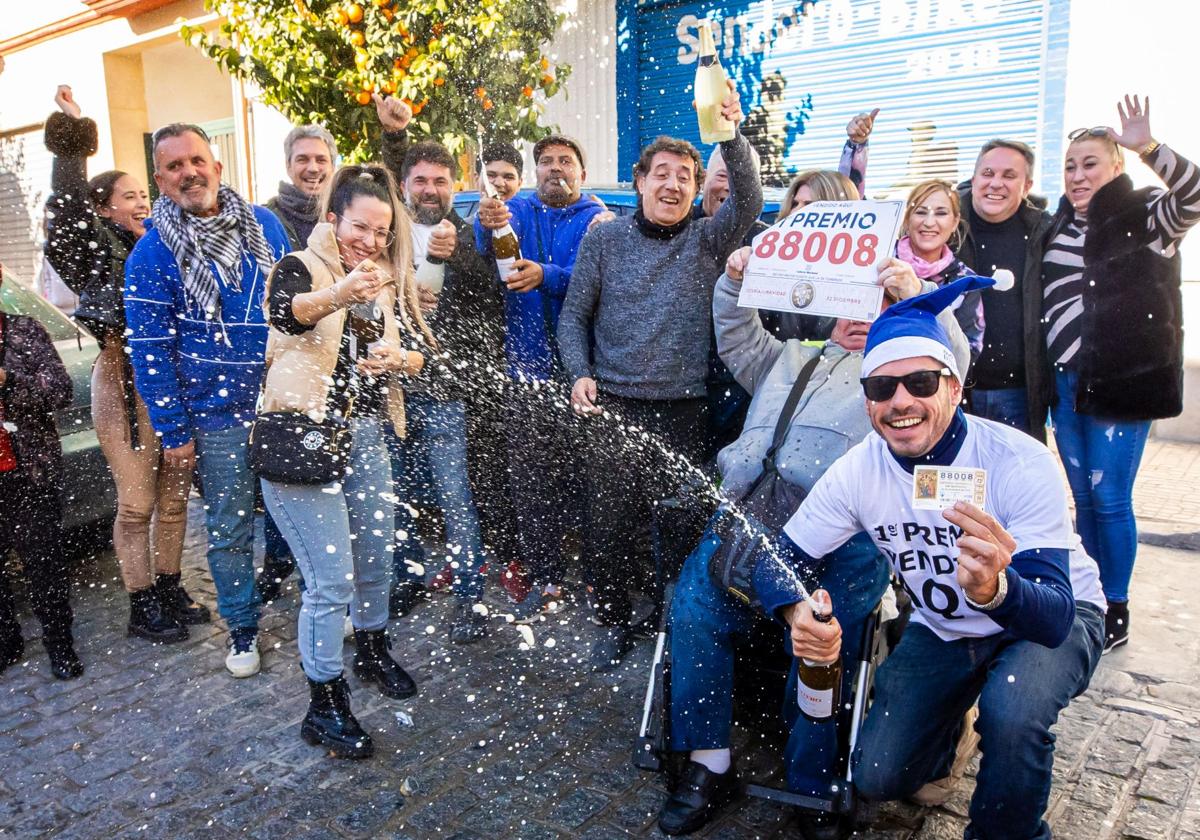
(919, 383)
(1080, 133)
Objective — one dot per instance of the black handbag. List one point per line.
(755, 518)
(292, 448)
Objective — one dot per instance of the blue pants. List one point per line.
(437, 436)
(706, 623)
(1101, 458)
(342, 541)
(926, 686)
(1004, 405)
(228, 486)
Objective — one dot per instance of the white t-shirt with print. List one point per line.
(868, 490)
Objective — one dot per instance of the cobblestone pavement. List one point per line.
(508, 742)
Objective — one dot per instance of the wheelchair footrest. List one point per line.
(811, 803)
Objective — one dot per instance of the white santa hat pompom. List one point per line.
(1004, 279)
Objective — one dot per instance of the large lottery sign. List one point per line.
(822, 260)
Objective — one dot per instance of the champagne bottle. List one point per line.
(819, 684)
(431, 273)
(505, 244)
(366, 327)
(710, 90)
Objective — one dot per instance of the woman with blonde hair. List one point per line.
(931, 219)
(817, 185)
(340, 313)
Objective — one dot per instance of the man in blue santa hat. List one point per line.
(1007, 607)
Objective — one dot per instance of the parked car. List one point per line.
(620, 198)
(88, 496)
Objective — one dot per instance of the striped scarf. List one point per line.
(194, 240)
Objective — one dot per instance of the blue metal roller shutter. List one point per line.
(947, 74)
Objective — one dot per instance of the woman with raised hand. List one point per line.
(1113, 322)
(91, 228)
(337, 312)
(931, 218)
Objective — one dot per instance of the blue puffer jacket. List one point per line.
(549, 236)
(196, 374)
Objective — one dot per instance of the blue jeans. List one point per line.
(437, 436)
(341, 538)
(926, 686)
(1101, 458)
(1004, 405)
(228, 486)
(706, 623)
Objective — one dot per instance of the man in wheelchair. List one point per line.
(1008, 610)
(816, 386)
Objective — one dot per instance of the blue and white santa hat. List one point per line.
(909, 328)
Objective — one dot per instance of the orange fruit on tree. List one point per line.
(527, 92)
(388, 14)
(439, 81)
(388, 87)
(545, 63)
(354, 13)
(363, 97)
(357, 38)
(342, 18)
(361, 59)
(438, 28)
(547, 80)
(480, 93)
(488, 105)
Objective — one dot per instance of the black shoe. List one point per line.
(404, 597)
(467, 625)
(610, 648)
(12, 647)
(698, 795)
(329, 721)
(64, 663)
(647, 628)
(150, 620)
(1116, 625)
(815, 826)
(373, 663)
(275, 571)
(177, 603)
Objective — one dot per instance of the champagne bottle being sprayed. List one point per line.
(710, 90)
(505, 244)
(819, 684)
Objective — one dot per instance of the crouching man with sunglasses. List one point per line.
(1008, 610)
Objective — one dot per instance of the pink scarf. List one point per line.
(923, 268)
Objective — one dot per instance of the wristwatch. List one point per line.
(1150, 149)
(1001, 591)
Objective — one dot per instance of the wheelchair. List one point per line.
(762, 666)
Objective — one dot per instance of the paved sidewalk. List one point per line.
(508, 741)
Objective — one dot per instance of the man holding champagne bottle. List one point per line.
(1008, 610)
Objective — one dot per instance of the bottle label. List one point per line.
(815, 704)
(504, 231)
(506, 266)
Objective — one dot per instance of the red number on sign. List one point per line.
(791, 245)
(767, 246)
(814, 248)
(864, 254)
(839, 248)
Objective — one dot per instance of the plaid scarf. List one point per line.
(194, 240)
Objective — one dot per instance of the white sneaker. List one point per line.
(243, 659)
(348, 629)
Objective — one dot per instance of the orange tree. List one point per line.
(465, 67)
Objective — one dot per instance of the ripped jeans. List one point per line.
(1101, 458)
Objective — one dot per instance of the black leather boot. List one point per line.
(12, 646)
(177, 603)
(697, 797)
(64, 663)
(330, 723)
(149, 620)
(373, 663)
(275, 571)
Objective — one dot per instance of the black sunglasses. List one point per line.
(919, 383)
(1096, 131)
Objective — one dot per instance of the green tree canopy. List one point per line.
(466, 67)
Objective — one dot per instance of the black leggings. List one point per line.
(31, 525)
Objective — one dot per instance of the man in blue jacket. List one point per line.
(197, 334)
(1008, 610)
(549, 225)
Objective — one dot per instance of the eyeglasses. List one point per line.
(1080, 133)
(362, 230)
(919, 383)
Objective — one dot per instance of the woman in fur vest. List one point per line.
(1113, 325)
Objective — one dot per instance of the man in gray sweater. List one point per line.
(642, 286)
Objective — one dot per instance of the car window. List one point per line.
(18, 300)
